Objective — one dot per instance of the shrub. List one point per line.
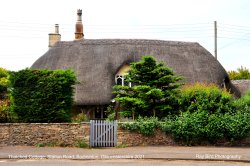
(82, 117)
(199, 126)
(187, 127)
(209, 113)
(205, 97)
(82, 144)
(243, 102)
(111, 117)
(231, 125)
(237, 124)
(111, 113)
(4, 111)
(241, 74)
(42, 95)
(246, 98)
(3, 80)
(145, 126)
(216, 127)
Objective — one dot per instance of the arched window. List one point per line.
(120, 76)
(119, 80)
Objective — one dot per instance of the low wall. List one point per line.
(65, 134)
(135, 139)
(160, 138)
(69, 134)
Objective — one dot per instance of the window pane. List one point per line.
(126, 83)
(119, 81)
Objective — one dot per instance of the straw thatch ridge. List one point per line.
(96, 62)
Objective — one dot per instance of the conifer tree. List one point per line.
(154, 89)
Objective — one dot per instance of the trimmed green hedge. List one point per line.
(42, 95)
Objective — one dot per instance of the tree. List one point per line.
(153, 92)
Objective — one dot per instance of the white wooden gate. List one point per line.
(103, 133)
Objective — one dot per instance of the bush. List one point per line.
(3, 80)
(145, 126)
(245, 100)
(232, 126)
(242, 73)
(4, 111)
(209, 113)
(198, 126)
(237, 124)
(187, 127)
(204, 97)
(216, 128)
(82, 144)
(111, 113)
(243, 103)
(42, 95)
(82, 117)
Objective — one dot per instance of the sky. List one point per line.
(25, 25)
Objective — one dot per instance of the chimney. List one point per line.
(79, 27)
(54, 37)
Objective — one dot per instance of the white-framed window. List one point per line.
(120, 80)
(121, 74)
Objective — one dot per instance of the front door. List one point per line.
(100, 112)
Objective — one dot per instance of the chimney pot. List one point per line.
(57, 28)
(79, 27)
(79, 15)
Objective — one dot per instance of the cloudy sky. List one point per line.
(25, 24)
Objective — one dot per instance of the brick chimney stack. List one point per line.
(54, 37)
(79, 27)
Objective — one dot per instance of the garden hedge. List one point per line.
(42, 95)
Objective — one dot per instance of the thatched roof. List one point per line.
(242, 85)
(96, 62)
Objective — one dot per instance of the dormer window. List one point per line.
(120, 76)
(120, 80)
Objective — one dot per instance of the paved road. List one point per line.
(148, 152)
(120, 162)
(142, 156)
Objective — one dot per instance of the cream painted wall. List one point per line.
(124, 70)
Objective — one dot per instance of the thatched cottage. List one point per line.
(102, 63)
